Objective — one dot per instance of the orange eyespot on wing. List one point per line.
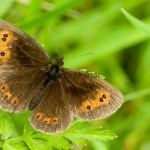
(15, 101)
(4, 90)
(86, 106)
(102, 98)
(55, 120)
(4, 56)
(4, 87)
(39, 116)
(46, 120)
(5, 38)
(7, 95)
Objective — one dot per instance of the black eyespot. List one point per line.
(54, 121)
(6, 96)
(101, 100)
(3, 39)
(3, 88)
(104, 96)
(14, 102)
(88, 107)
(5, 35)
(2, 54)
(37, 116)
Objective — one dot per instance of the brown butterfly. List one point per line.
(55, 95)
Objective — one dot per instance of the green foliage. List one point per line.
(137, 23)
(117, 32)
(78, 133)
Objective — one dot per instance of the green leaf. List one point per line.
(136, 22)
(7, 128)
(46, 141)
(82, 131)
(36, 139)
(29, 22)
(15, 145)
(78, 133)
(34, 143)
(83, 70)
(59, 141)
(32, 140)
(137, 94)
(28, 129)
(1, 142)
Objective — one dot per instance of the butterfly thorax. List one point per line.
(56, 69)
(53, 72)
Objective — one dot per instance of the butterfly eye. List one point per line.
(39, 116)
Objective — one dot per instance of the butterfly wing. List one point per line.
(22, 80)
(22, 67)
(74, 94)
(17, 49)
(89, 96)
(18, 87)
(53, 114)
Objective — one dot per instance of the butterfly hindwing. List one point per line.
(89, 96)
(53, 114)
(18, 87)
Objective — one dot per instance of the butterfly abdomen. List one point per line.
(51, 75)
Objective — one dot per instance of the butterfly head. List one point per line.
(59, 62)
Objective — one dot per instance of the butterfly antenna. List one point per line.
(81, 55)
(54, 41)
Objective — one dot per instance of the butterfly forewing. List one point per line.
(17, 49)
(22, 67)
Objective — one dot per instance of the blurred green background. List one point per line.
(121, 54)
